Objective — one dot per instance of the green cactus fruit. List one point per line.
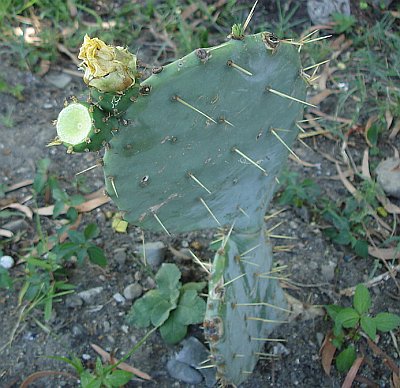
(206, 137)
(245, 303)
(84, 127)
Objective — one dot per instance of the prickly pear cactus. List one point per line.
(199, 144)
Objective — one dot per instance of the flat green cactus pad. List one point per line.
(203, 142)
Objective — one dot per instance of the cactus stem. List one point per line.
(250, 160)
(87, 169)
(199, 183)
(177, 98)
(274, 227)
(249, 250)
(233, 280)
(209, 210)
(263, 304)
(316, 65)
(283, 142)
(111, 178)
(199, 262)
(268, 339)
(264, 320)
(230, 63)
(289, 97)
(249, 17)
(161, 224)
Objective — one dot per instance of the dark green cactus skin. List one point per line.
(149, 163)
(236, 320)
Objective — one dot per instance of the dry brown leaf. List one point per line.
(352, 373)
(107, 358)
(384, 253)
(395, 383)
(387, 360)
(327, 352)
(6, 233)
(44, 373)
(365, 165)
(329, 117)
(304, 310)
(19, 185)
(62, 49)
(189, 11)
(395, 130)
(178, 254)
(321, 96)
(22, 208)
(44, 67)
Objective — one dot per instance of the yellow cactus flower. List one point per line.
(107, 68)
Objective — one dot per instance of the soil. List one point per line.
(318, 269)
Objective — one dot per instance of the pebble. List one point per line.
(6, 262)
(120, 256)
(78, 330)
(321, 11)
(59, 80)
(388, 176)
(193, 353)
(73, 301)
(119, 298)
(183, 372)
(16, 225)
(150, 283)
(106, 326)
(155, 253)
(280, 350)
(125, 329)
(328, 271)
(90, 295)
(133, 291)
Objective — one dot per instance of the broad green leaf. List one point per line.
(91, 231)
(347, 318)
(333, 310)
(5, 279)
(88, 380)
(197, 286)
(160, 312)
(191, 308)
(96, 256)
(140, 313)
(40, 179)
(386, 321)
(48, 308)
(362, 299)
(167, 278)
(361, 248)
(345, 359)
(369, 326)
(172, 331)
(76, 237)
(118, 378)
(58, 208)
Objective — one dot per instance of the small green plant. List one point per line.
(351, 322)
(172, 306)
(343, 23)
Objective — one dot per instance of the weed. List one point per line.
(351, 322)
(171, 307)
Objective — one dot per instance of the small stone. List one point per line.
(59, 80)
(184, 244)
(133, 291)
(120, 256)
(155, 253)
(78, 330)
(90, 295)
(125, 329)
(86, 357)
(328, 271)
(183, 372)
(280, 350)
(321, 11)
(6, 262)
(388, 176)
(150, 283)
(320, 338)
(73, 301)
(16, 225)
(119, 298)
(106, 326)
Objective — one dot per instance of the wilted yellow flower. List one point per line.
(107, 68)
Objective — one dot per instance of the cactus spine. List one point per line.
(199, 144)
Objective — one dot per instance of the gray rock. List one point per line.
(90, 295)
(16, 225)
(388, 176)
(6, 262)
(320, 11)
(194, 353)
(280, 350)
(155, 253)
(73, 301)
(133, 291)
(59, 80)
(183, 372)
(119, 298)
(78, 330)
(120, 256)
(328, 271)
